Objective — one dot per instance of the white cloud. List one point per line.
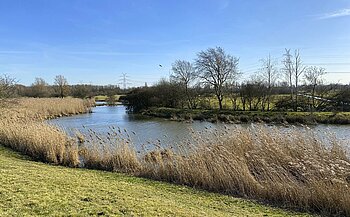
(335, 14)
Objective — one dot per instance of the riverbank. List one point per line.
(31, 188)
(229, 116)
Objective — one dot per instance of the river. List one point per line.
(143, 130)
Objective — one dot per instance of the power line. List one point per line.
(338, 72)
(124, 80)
(330, 64)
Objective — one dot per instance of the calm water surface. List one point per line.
(143, 129)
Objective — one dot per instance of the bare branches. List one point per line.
(183, 72)
(293, 69)
(313, 75)
(269, 74)
(61, 85)
(215, 67)
(40, 88)
(7, 86)
(288, 70)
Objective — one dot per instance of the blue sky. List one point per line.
(95, 41)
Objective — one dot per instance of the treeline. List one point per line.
(213, 78)
(60, 88)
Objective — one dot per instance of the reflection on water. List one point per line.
(143, 129)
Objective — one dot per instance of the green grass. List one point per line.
(100, 98)
(104, 97)
(231, 116)
(29, 188)
(227, 102)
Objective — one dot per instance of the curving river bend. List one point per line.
(144, 129)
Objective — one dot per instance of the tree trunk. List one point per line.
(296, 95)
(220, 101)
(313, 98)
(188, 98)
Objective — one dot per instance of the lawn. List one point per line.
(29, 188)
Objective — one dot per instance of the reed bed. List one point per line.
(22, 128)
(293, 169)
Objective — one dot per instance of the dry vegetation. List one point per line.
(22, 128)
(295, 170)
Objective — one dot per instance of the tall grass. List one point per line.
(22, 128)
(294, 169)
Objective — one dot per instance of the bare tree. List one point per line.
(232, 89)
(185, 74)
(216, 68)
(293, 68)
(269, 74)
(7, 86)
(255, 92)
(298, 69)
(288, 71)
(313, 75)
(40, 88)
(61, 85)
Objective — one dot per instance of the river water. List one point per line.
(143, 130)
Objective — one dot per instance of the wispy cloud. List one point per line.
(223, 4)
(340, 13)
(17, 52)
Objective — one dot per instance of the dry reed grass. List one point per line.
(295, 170)
(22, 128)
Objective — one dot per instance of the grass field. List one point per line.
(29, 188)
(104, 97)
(213, 103)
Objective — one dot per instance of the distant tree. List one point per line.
(7, 86)
(232, 89)
(298, 69)
(40, 88)
(61, 86)
(215, 67)
(111, 99)
(163, 94)
(185, 74)
(254, 93)
(139, 99)
(81, 91)
(293, 68)
(167, 94)
(342, 99)
(269, 74)
(313, 75)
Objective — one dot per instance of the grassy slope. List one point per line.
(33, 188)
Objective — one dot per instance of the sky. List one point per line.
(96, 41)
